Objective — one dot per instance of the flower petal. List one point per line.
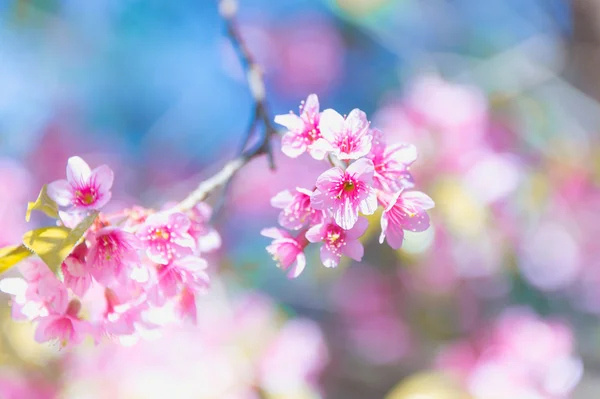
(291, 121)
(60, 192)
(329, 258)
(346, 214)
(393, 234)
(311, 106)
(353, 249)
(282, 199)
(315, 233)
(274, 232)
(297, 268)
(358, 230)
(103, 176)
(357, 122)
(362, 170)
(78, 171)
(417, 200)
(331, 124)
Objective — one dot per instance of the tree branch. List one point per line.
(228, 9)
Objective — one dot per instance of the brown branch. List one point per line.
(256, 84)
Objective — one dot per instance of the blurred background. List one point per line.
(499, 299)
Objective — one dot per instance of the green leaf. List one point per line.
(10, 256)
(53, 244)
(43, 203)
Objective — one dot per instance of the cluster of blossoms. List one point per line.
(365, 172)
(128, 265)
(520, 355)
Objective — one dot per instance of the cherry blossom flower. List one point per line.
(207, 238)
(337, 241)
(76, 275)
(84, 188)
(391, 163)
(185, 307)
(286, 250)
(165, 237)
(111, 253)
(303, 131)
(297, 211)
(348, 138)
(404, 210)
(39, 292)
(188, 272)
(346, 192)
(66, 327)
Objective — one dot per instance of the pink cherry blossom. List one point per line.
(297, 211)
(286, 250)
(165, 236)
(303, 130)
(337, 241)
(391, 163)
(66, 327)
(348, 138)
(185, 307)
(207, 238)
(111, 253)
(346, 192)
(84, 188)
(404, 210)
(188, 272)
(38, 293)
(76, 275)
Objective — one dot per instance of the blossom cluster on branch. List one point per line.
(125, 265)
(365, 173)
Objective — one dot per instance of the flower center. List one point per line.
(86, 196)
(162, 234)
(349, 186)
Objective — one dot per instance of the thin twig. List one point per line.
(261, 116)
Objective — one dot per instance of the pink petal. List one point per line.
(346, 214)
(275, 233)
(60, 192)
(331, 124)
(311, 106)
(353, 249)
(356, 122)
(282, 199)
(78, 171)
(393, 234)
(315, 233)
(292, 122)
(328, 258)
(103, 177)
(319, 149)
(358, 230)
(362, 170)
(210, 241)
(402, 153)
(368, 206)
(298, 266)
(417, 223)
(102, 200)
(330, 178)
(192, 264)
(41, 334)
(292, 145)
(320, 200)
(417, 200)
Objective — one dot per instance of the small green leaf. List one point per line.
(53, 244)
(10, 256)
(43, 203)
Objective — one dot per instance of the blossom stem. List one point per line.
(261, 116)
